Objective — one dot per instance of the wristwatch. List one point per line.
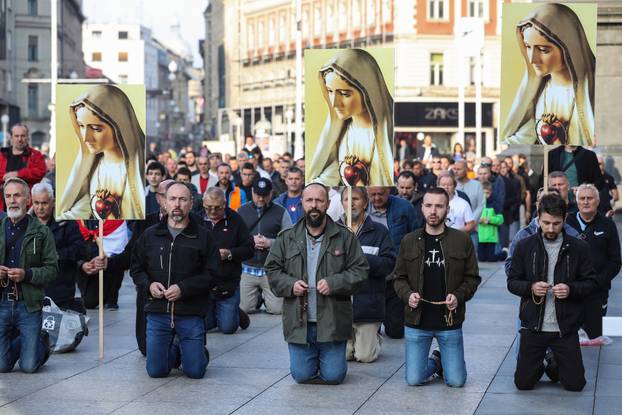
(230, 257)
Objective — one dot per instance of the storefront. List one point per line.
(439, 119)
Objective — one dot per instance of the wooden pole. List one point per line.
(545, 172)
(101, 292)
(349, 208)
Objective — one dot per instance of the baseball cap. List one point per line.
(262, 187)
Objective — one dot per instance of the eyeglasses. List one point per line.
(211, 207)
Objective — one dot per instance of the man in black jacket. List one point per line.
(601, 235)
(553, 274)
(68, 247)
(235, 245)
(368, 304)
(178, 259)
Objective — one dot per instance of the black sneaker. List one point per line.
(436, 356)
(551, 368)
(45, 340)
(245, 321)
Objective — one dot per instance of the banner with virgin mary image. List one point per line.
(100, 157)
(547, 74)
(349, 116)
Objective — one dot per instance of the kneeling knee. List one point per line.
(197, 373)
(573, 387)
(524, 386)
(333, 378)
(157, 373)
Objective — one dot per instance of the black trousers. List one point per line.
(89, 288)
(567, 352)
(141, 319)
(595, 310)
(394, 313)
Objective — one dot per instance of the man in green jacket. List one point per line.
(28, 262)
(316, 266)
(435, 275)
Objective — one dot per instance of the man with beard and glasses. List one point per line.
(552, 273)
(29, 263)
(264, 220)
(435, 275)
(368, 303)
(178, 259)
(316, 266)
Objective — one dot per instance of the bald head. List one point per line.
(161, 192)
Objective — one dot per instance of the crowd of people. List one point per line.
(225, 237)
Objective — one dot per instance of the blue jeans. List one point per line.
(329, 358)
(28, 347)
(163, 354)
(419, 367)
(224, 314)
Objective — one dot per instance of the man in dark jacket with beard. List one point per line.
(368, 306)
(178, 259)
(553, 274)
(235, 245)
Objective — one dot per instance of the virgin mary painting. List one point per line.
(355, 147)
(107, 178)
(555, 101)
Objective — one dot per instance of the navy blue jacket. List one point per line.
(401, 218)
(368, 304)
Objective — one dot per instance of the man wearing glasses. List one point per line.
(234, 243)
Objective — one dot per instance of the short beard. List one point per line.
(315, 223)
(15, 213)
(441, 222)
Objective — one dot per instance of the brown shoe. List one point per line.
(245, 321)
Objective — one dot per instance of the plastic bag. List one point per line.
(66, 328)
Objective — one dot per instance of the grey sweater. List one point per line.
(552, 251)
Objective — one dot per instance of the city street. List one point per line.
(248, 373)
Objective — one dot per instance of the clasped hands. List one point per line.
(99, 263)
(451, 301)
(157, 290)
(14, 274)
(301, 288)
(560, 290)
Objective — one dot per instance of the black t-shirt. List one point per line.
(432, 315)
(14, 163)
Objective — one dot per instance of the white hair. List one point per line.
(43, 187)
(587, 186)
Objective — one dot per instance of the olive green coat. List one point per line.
(461, 271)
(38, 255)
(341, 263)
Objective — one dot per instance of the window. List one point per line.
(260, 35)
(122, 56)
(356, 13)
(33, 100)
(371, 12)
(478, 8)
(436, 69)
(33, 49)
(317, 21)
(251, 37)
(438, 10)
(33, 8)
(97, 34)
(330, 22)
(96, 57)
(343, 15)
(282, 28)
(387, 16)
(305, 24)
(271, 32)
(123, 34)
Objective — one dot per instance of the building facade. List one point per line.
(129, 54)
(250, 77)
(29, 54)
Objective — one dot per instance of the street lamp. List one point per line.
(5, 128)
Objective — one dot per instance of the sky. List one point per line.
(158, 15)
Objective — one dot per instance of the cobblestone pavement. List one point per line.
(248, 373)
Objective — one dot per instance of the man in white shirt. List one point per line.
(460, 215)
